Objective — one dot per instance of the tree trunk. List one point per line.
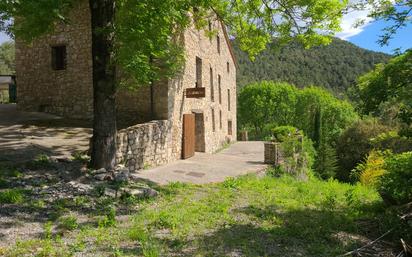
(104, 84)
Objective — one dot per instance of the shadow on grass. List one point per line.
(270, 231)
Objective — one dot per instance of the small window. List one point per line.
(229, 127)
(228, 67)
(218, 44)
(213, 120)
(212, 90)
(59, 57)
(219, 82)
(198, 72)
(220, 119)
(228, 100)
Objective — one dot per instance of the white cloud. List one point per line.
(349, 28)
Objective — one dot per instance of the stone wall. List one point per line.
(145, 145)
(63, 92)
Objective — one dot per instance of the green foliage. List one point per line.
(281, 133)
(370, 171)
(108, 220)
(326, 163)
(271, 104)
(11, 196)
(354, 144)
(395, 184)
(334, 67)
(392, 141)
(148, 33)
(7, 58)
(68, 223)
(387, 86)
(41, 161)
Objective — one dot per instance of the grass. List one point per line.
(11, 196)
(248, 216)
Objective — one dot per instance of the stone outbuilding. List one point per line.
(172, 119)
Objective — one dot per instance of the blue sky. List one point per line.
(364, 36)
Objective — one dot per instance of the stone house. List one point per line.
(194, 112)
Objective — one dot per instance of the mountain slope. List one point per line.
(335, 67)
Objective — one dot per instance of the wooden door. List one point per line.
(188, 136)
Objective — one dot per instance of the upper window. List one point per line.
(212, 90)
(198, 72)
(228, 67)
(218, 44)
(59, 57)
(219, 83)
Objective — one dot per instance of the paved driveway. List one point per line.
(239, 159)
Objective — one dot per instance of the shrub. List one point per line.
(282, 133)
(392, 141)
(68, 223)
(369, 171)
(297, 151)
(395, 184)
(354, 144)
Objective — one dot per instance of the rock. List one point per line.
(122, 176)
(103, 177)
(99, 171)
(110, 192)
(149, 192)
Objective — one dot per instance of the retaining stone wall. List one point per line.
(145, 145)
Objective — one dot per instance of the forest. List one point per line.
(334, 67)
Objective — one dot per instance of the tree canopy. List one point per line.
(150, 29)
(388, 84)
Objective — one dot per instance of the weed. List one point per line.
(231, 183)
(41, 161)
(12, 196)
(48, 230)
(81, 201)
(80, 156)
(109, 220)
(99, 190)
(68, 223)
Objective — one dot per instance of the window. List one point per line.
(213, 120)
(229, 127)
(218, 44)
(228, 67)
(212, 90)
(219, 82)
(228, 100)
(198, 72)
(220, 119)
(59, 57)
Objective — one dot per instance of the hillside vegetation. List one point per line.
(335, 67)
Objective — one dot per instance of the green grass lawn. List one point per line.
(248, 216)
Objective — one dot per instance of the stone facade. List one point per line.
(66, 92)
(210, 64)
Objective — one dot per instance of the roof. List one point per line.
(229, 43)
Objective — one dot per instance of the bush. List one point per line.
(395, 184)
(370, 171)
(354, 144)
(281, 133)
(392, 141)
(297, 151)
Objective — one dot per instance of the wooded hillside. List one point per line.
(335, 67)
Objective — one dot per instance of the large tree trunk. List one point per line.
(104, 84)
